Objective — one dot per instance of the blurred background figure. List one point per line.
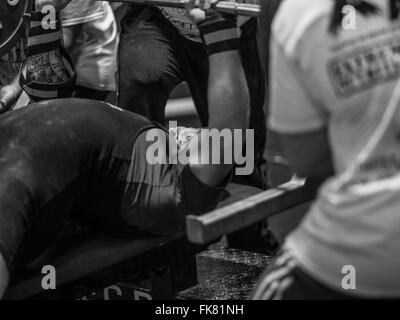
(35, 59)
(335, 106)
(10, 64)
(91, 37)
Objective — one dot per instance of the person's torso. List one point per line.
(352, 78)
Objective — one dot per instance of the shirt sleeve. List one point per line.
(79, 12)
(292, 109)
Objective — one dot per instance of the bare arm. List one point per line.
(297, 116)
(9, 94)
(308, 154)
(228, 102)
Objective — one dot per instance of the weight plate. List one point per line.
(12, 15)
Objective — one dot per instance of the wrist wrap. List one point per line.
(49, 72)
(219, 34)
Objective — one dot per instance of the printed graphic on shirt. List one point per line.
(377, 167)
(366, 68)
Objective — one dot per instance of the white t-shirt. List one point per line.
(95, 49)
(79, 11)
(345, 82)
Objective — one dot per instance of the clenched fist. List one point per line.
(198, 14)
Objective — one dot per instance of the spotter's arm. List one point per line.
(228, 95)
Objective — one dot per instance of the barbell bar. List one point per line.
(14, 12)
(234, 8)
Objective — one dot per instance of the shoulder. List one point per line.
(298, 19)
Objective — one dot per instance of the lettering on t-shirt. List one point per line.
(366, 68)
(377, 169)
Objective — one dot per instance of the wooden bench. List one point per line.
(85, 262)
(248, 211)
(100, 261)
(88, 262)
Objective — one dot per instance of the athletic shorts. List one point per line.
(85, 160)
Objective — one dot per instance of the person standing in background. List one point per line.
(160, 48)
(335, 105)
(91, 37)
(10, 64)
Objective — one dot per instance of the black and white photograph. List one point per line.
(199, 158)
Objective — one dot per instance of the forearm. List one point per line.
(9, 94)
(308, 154)
(227, 92)
(228, 100)
(228, 110)
(48, 72)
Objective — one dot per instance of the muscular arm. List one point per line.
(228, 100)
(228, 96)
(308, 154)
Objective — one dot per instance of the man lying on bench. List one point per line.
(86, 160)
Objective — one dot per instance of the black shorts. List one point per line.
(85, 160)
